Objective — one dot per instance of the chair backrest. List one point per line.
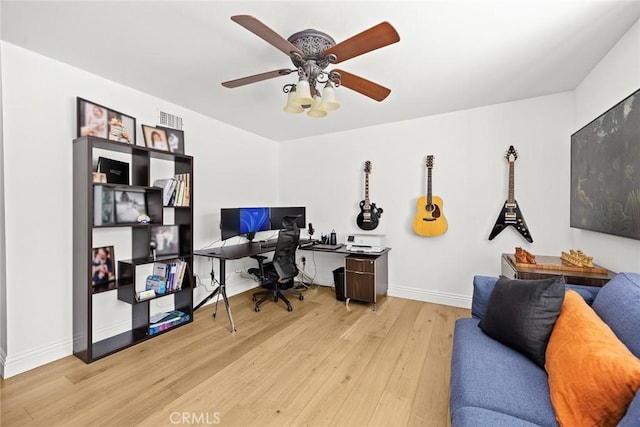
(284, 258)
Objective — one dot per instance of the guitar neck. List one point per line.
(367, 203)
(511, 198)
(429, 197)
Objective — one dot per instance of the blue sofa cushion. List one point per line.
(618, 304)
(487, 374)
(521, 314)
(472, 416)
(483, 286)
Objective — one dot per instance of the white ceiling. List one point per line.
(452, 55)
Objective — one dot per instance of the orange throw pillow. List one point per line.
(593, 376)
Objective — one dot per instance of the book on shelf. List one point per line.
(171, 273)
(166, 320)
(176, 191)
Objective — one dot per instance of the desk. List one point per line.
(231, 252)
(366, 273)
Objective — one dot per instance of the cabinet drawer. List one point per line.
(365, 265)
(360, 286)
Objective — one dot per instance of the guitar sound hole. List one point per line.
(434, 210)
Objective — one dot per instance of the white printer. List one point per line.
(368, 243)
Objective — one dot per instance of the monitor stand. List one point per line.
(250, 236)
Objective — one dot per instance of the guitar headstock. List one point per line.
(511, 155)
(430, 161)
(367, 167)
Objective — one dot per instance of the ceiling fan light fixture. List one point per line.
(303, 93)
(291, 106)
(316, 110)
(329, 102)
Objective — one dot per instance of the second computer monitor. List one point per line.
(277, 214)
(253, 220)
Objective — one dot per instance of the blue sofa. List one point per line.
(493, 385)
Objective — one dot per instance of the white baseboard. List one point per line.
(22, 362)
(3, 362)
(436, 297)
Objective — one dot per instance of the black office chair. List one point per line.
(277, 276)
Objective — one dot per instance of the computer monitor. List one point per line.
(229, 223)
(280, 212)
(253, 220)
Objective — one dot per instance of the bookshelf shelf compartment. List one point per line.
(85, 209)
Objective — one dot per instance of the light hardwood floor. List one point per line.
(322, 364)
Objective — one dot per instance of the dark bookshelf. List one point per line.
(83, 220)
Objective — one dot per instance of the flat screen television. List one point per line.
(605, 172)
(278, 213)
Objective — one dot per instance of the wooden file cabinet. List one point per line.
(366, 277)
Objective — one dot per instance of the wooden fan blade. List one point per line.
(363, 86)
(256, 78)
(374, 38)
(266, 33)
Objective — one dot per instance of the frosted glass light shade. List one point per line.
(303, 93)
(329, 102)
(315, 110)
(291, 106)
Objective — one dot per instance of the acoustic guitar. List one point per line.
(429, 220)
(369, 215)
(510, 215)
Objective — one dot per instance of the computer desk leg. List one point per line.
(223, 291)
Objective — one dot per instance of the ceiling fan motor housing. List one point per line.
(313, 43)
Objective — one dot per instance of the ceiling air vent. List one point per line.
(170, 120)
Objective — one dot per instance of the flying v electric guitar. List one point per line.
(510, 214)
(369, 215)
(429, 220)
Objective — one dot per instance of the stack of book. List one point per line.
(163, 321)
(176, 190)
(171, 273)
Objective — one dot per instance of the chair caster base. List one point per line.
(289, 308)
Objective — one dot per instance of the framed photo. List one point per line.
(605, 161)
(175, 139)
(155, 138)
(167, 238)
(103, 205)
(103, 266)
(130, 205)
(97, 120)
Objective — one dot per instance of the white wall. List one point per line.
(231, 167)
(3, 276)
(470, 174)
(613, 79)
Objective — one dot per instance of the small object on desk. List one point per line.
(524, 257)
(143, 295)
(332, 239)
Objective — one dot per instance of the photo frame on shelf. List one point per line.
(130, 205)
(604, 155)
(155, 138)
(103, 266)
(103, 205)
(175, 139)
(167, 238)
(94, 119)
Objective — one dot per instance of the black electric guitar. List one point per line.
(510, 214)
(369, 215)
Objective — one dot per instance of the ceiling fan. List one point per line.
(311, 52)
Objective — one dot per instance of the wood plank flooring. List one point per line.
(322, 364)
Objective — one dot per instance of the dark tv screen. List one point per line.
(229, 223)
(605, 172)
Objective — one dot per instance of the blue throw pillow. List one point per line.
(522, 313)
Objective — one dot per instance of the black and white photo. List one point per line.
(130, 205)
